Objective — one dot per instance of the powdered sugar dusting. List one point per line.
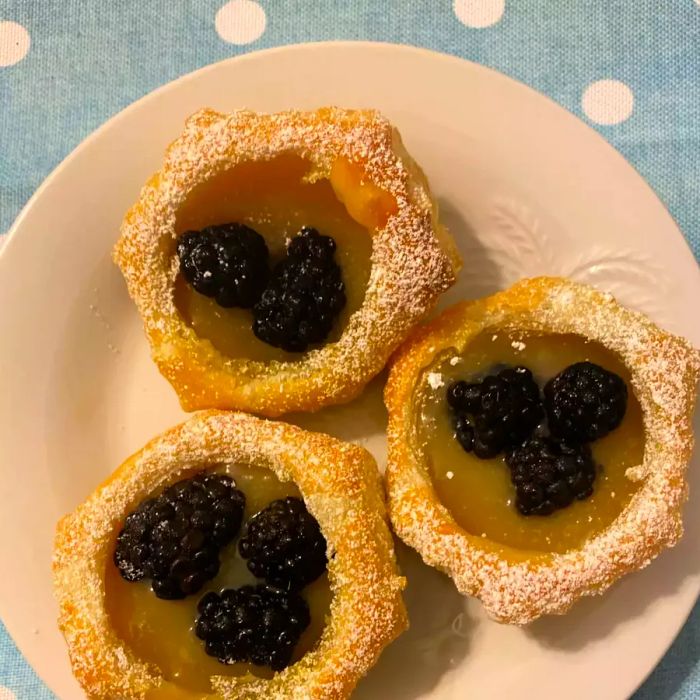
(435, 380)
(514, 585)
(413, 259)
(341, 487)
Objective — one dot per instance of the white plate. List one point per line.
(525, 187)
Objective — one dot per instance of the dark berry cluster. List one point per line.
(496, 413)
(304, 296)
(585, 402)
(504, 412)
(227, 262)
(294, 306)
(256, 624)
(549, 474)
(283, 544)
(262, 624)
(174, 539)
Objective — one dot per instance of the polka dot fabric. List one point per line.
(14, 43)
(630, 68)
(607, 102)
(240, 22)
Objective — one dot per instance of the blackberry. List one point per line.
(311, 244)
(585, 402)
(284, 545)
(256, 624)
(174, 539)
(227, 262)
(304, 296)
(464, 432)
(549, 475)
(497, 413)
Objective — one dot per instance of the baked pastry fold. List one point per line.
(516, 585)
(361, 155)
(341, 488)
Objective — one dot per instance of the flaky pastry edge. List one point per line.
(413, 258)
(516, 586)
(341, 487)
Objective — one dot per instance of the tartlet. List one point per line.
(341, 488)
(345, 168)
(514, 572)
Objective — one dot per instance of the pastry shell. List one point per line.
(341, 487)
(413, 257)
(514, 585)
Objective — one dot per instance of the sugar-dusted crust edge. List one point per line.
(413, 257)
(516, 586)
(342, 489)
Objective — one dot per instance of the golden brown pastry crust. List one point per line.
(514, 585)
(342, 489)
(413, 257)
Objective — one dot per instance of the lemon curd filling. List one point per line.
(277, 198)
(479, 492)
(162, 631)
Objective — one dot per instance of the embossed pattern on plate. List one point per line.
(520, 245)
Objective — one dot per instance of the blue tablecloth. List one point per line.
(631, 68)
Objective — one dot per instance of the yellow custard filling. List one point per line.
(162, 631)
(478, 492)
(274, 198)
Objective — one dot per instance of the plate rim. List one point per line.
(340, 44)
(13, 231)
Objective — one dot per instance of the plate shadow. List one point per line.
(437, 640)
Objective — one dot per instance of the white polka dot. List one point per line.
(479, 13)
(14, 43)
(607, 102)
(7, 694)
(240, 21)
